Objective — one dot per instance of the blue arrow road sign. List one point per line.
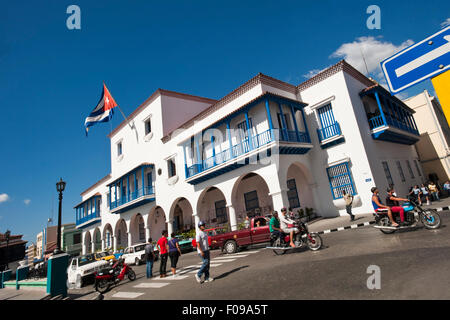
(418, 62)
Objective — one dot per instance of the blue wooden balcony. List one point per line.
(329, 132)
(135, 195)
(131, 190)
(88, 212)
(393, 121)
(243, 147)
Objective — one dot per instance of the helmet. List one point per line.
(201, 223)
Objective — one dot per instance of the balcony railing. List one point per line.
(328, 132)
(88, 218)
(377, 122)
(146, 191)
(243, 147)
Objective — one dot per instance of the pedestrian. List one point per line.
(447, 187)
(247, 222)
(434, 191)
(203, 251)
(149, 257)
(417, 194)
(174, 253)
(425, 193)
(163, 253)
(348, 198)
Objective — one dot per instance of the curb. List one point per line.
(365, 224)
(353, 226)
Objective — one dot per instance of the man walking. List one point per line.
(149, 257)
(203, 251)
(163, 253)
(348, 198)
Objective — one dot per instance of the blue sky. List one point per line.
(51, 77)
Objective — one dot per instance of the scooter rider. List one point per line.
(393, 202)
(284, 221)
(274, 225)
(378, 206)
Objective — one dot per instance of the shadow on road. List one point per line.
(226, 274)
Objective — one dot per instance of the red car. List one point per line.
(258, 232)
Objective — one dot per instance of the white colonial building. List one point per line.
(179, 159)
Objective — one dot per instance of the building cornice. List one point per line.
(159, 92)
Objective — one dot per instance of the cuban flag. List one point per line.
(103, 111)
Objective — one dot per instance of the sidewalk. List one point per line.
(344, 221)
(23, 294)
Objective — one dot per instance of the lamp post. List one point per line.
(60, 186)
(7, 234)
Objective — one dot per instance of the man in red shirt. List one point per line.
(163, 253)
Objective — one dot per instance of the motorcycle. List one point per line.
(414, 214)
(107, 277)
(280, 245)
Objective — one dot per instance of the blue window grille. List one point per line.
(387, 172)
(340, 179)
(251, 200)
(400, 171)
(292, 194)
(408, 164)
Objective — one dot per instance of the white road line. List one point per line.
(439, 209)
(327, 231)
(152, 285)
(248, 252)
(171, 278)
(223, 260)
(366, 223)
(354, 226)
(340, 229)
(127, 295)
(232, 256)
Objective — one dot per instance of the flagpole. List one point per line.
(123, 115)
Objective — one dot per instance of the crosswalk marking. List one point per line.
(226, 256)
(171, 278)
(223, 260)
(152, 285)
(127, 295)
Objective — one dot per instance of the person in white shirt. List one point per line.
(284, 225)
(203, 251)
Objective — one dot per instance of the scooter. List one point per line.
(280, 245)
(107, 277)
(414, 214)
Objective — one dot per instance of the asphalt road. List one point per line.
(413, 264)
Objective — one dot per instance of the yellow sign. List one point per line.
(441, 85)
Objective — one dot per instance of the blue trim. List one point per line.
(340, 178)
(249, 131)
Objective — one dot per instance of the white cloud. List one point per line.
(4, 197)
(27, 201)
(445, 23)
(375, 50)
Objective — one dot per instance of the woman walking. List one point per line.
(174, 253)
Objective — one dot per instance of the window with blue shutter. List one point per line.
(340, 179)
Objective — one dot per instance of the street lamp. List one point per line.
(60, 186)
(7, 234)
